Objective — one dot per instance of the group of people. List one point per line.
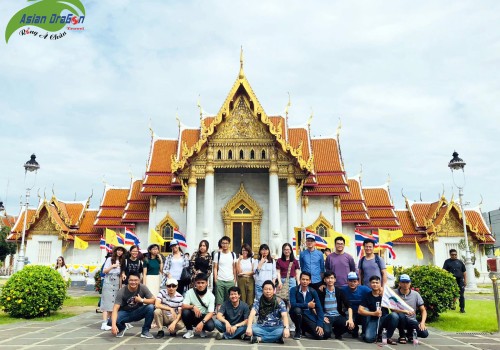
(254, 297)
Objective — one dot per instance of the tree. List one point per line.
(6, 248)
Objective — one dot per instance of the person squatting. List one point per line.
(230, 295)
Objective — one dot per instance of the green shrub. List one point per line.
(437, 287)
(33, 292)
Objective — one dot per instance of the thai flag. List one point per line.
(131, 238)
(180, 237)
(120, 239)
(361, 236)
(320, 242)
(102, 244)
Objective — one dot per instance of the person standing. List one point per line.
(272, 319)
(265, 269)
(62, 268)
(168, 308)
(354, 293)
(282, 265)
(224, 271)
(456, 267)
(334, 304)
(201, 261)
(132, 264)
(112, 283)
(311, 260)
(305, 309)
(376, 315)
(152, 267)
(198, 308)
(133, 303)
(340, 262)
(408, 322)
(174, 264)
(371, 265)
(245, 271)
(232, 317)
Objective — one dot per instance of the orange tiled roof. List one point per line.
(420, 212)
(87, 224)
(112, 207)
(354, 194)
(381, 213)
(190, 137)
(8, 220)
(377, 197)
(407, 225)
(353, 204)
(135, 217)
(167, 191)
(326, 156)
(357, 207)
(18, 226)
(276, 120)
(295, 135)
(374, 224)
(355, 217)
(137, 208)
(160, 160)
(208, 120)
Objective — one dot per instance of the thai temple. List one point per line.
(255, 178)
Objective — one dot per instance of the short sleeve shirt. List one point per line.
(282, 266)
(233, 314)
(225, 266)
(371, 268)
(356, 296)
(175, 301)
(126, 299)
(413, 299)
(273, 318)
(370, 301)
(208, 299)
(152, 266)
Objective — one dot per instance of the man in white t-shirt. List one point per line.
(224, 271)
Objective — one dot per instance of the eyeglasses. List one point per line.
(172, 286)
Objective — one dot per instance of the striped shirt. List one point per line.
(175, 302)
(331, 303)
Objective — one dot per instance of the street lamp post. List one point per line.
(457, 164)
(31, 166)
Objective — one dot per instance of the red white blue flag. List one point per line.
(180, 238)
(131, 238)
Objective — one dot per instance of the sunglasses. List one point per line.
(172, 286)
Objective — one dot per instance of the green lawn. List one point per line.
(480, 316)
(70, 308)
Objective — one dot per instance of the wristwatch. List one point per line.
(286, 327)
(203, 321)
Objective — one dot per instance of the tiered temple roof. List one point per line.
(112, 208)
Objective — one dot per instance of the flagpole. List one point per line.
(73, 256)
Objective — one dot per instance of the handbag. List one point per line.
(284, 292)
(186, 274)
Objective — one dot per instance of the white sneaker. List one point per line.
(203, 334)
(188, 335)
(128, 326)
(105, 327)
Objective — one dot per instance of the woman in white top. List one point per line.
(112, 283)
(174, 265)
(245, 271)
(62, 268)
(265, 269)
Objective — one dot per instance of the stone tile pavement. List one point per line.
(83, 332)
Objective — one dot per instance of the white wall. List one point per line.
(33, 246)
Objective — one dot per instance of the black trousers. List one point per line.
(336, 326)
(461, 285)
(303, 324)
(191, 320)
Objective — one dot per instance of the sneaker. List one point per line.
(254, 339)
(146, 335)
(218, 335)
(297, 336)
(160, 335)
(128, 326)
(462, 311)
(188, 335)
(121, 333)
(105, 327)
(203, 334)
(292, 328)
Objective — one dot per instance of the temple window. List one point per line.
(230, 154)
(242, 155)
(263, 156)
(167, 232)
(219, 154)
(322, 230)
(242, 209)
(252, 154)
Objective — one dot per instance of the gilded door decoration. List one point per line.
(320, 225)
(243, 208)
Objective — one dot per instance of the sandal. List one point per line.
(391, 342)
(402, 340)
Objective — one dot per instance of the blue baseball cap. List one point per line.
(404, 278)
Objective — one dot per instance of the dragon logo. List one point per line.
(47, 15)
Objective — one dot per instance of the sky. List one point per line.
(409, 81)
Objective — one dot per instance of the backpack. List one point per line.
(218, 259)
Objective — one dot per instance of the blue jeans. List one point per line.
(408, 325)
(389, 322)
(145, 312)
(291, 283)
(221, 327)
(258, 292)
(269, 334)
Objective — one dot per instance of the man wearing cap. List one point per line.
(340, 262)
(311, 260)
(408, 322)
(168, 309)
(354, 293)
(456, 267)
(198, 308)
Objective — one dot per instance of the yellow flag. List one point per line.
(80, 244)
(385, 236)
(334, 234)
(157, 238)
(497, 252)
(111, 237)
(420, 255)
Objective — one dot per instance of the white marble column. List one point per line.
(274, 207)
(292, 204)
(337, 214)
(191, 209)
(209, 208)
